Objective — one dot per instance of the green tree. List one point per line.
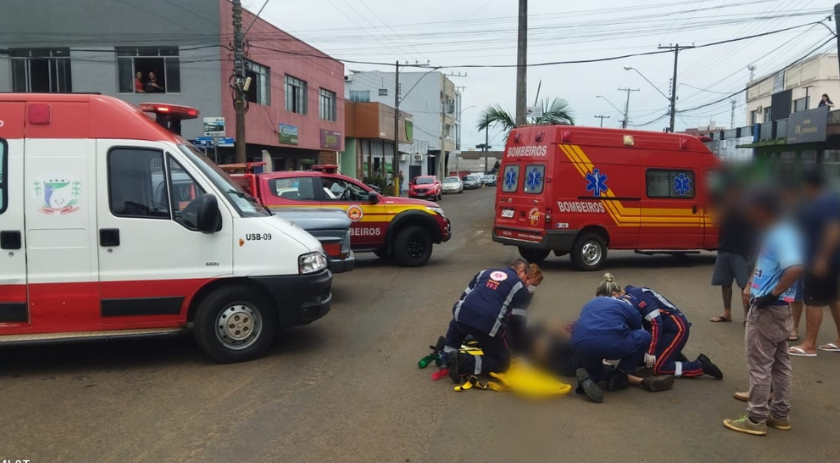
(554, 111)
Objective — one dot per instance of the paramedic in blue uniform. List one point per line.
(669, 331)
(492, 311)
(608, 328)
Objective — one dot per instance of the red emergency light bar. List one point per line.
(170, 116)
(325, 168)
(171, 110)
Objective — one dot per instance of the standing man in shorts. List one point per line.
(734, 252)
(821, 230)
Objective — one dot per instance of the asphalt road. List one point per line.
(347, 387)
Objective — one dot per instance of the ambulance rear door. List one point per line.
(14, 310)
(523, 194)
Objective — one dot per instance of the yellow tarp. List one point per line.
(521, 378)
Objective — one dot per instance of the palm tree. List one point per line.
(554, 111)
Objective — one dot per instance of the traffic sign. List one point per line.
(214, 126)
(209, 142)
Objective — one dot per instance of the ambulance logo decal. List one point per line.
(534, 180)
(597, 183)
(534, 216)
(510, 178)
(498, 276)
(355, 213)
(58, 194)
(682, 184)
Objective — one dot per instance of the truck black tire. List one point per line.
(413, 246)
(533, 255)
(235, 324)
(589, 252)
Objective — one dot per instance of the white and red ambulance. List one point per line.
(111, 225)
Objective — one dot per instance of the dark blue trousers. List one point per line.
(674, 338)
(630, 348)
(496, 358)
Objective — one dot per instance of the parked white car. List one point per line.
(453, 185)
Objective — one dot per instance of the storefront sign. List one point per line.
(288, 134)
(807, 126)
(330, 139)
(214, 126)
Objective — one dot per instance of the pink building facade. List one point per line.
(296, 104)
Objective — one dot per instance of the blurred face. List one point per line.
(152, 76)
(138, 76)
(533, 281)
(760, 218)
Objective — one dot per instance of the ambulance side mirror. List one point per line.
(209, 219)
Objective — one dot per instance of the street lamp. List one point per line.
(610, 102)
(630, 68)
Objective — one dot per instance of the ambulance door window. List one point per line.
(183, 190)
(294, 189)
(534, 179)
(137, 184)
(677, 184)
(3, 169)
(510, 179)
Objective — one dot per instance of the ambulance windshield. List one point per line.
(242, 201)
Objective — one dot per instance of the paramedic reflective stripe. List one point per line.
(519, 312)
(467, 293)
(505, 305)
(477, 370)
(678, 370)
(652, 315)
(661, 298)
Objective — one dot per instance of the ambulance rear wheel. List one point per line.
(235, 324)
(589, 252)
(413, 247)
(533, 255)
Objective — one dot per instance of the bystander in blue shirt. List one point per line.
(781, 249)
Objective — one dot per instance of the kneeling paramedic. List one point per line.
(492, 311)
(669, 330)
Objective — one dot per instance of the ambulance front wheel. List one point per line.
(235, 324)
(589, 252)
(535, 256)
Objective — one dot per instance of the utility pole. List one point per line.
(486, 146)
(837, 24)
(522, 64)
(238, 76)
(676, 49)
(627, 106)
(442, 158)
(395, 163)
(732, 119)
(602, 119)
(752, 69)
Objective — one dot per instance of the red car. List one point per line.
(426, 186)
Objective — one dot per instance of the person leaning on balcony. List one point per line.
(826, 101)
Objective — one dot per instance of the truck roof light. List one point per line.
(171, 110)
(566, 136)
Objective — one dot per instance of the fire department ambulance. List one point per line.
(96, 242)
(581, 191)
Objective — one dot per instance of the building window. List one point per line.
(754, 117)
(41, 71)
(768, 114)
(260, 90)
(670, 183)
(295, 95)
(149, 70)
(800, 104)
(327, 100)
(360, 96)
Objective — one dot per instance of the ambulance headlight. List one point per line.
(312, 262)
(436, 210)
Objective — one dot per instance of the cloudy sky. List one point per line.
(483, 32)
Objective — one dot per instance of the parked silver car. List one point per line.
(472, 182)
(453, 185)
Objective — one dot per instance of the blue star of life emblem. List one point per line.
(597, 182)
(534, 179)
(510, 178)
(682, 184)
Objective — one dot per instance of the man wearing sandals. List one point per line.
(734, 251)
(821, 227)
(769, 319)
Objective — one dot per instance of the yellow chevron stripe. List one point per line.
(632, 216)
